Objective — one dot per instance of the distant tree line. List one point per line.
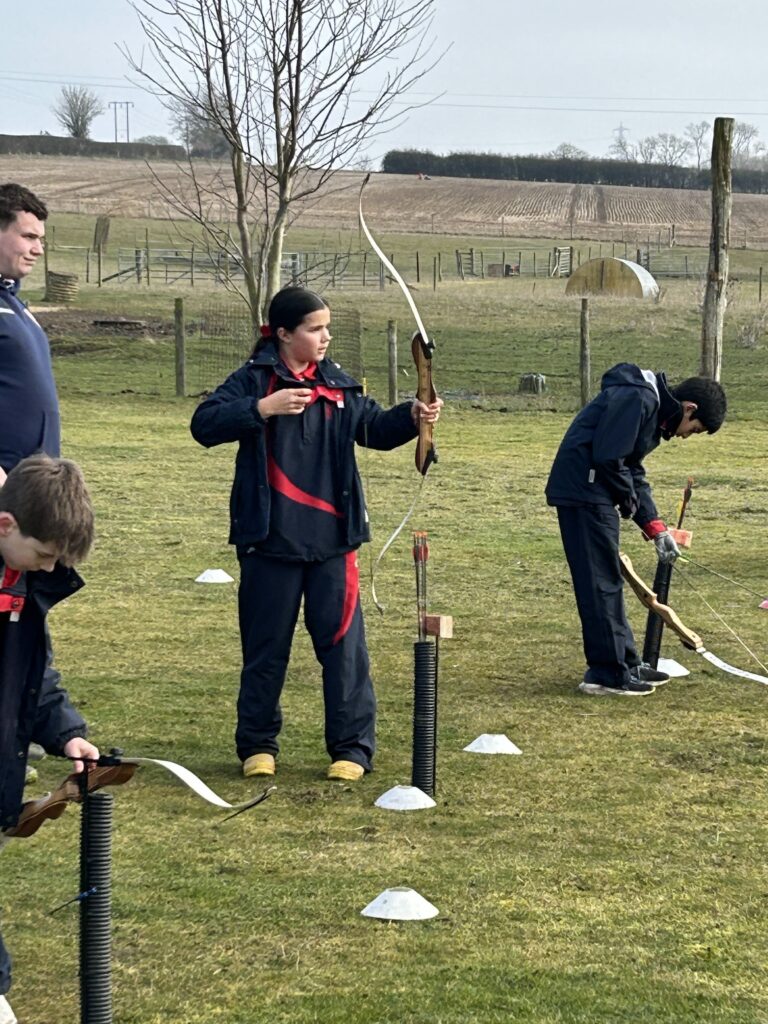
(57, 145)
(572, 169)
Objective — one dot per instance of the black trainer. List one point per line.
(633, 688)
(646, 674)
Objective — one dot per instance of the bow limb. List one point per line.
(196, 784)
(651, 601)
(390, 266)
(422, 347)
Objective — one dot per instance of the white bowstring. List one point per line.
(717, 615)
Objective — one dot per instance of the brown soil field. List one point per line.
(400, 203)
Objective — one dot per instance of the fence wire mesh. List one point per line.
(220, 338)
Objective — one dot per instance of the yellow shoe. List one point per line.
(346, 771)
(259, 764)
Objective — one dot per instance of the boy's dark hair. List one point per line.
(17, 199)
(709, 397)
(288, 308)
(50, 502)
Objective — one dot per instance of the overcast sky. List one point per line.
(518, 77)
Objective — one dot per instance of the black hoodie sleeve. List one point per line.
(229, 413)
(614, 439)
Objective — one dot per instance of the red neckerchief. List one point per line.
(335, 395)
(11, 602)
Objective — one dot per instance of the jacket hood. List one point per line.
(627, 373)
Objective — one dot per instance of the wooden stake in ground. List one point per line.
(715, 298)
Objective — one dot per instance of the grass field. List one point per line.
(613, 873)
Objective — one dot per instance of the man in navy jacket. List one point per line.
(29, 405)
(597, 477)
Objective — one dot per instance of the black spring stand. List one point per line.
(96, 910)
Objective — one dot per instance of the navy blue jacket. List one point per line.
(32, 707)
(29, 405)
(599, 461)
(231, 414)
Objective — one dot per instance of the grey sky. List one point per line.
(518, 78)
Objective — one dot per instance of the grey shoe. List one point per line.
(30, 775)
(35, 752)
(634, 688)
(645, 674)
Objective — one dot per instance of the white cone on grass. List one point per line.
(405, 798)
(400, 904)
(214, 576)
(673, 668)
(492, 743)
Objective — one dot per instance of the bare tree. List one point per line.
(697, 133)
(671, 149)
(199, 133)
(747, 148)
(647, 149)
(567, 151)
(75, 109)
(296, 88)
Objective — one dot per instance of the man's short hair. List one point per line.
(709, 397)
(50, 502)
(17, 199)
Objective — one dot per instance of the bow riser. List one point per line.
(651, 601)
(422, 350)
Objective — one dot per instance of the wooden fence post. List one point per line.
(99, 264)
(146, 246)
(434, 273)
(392, 360)
(760, 285)
(418, 268)
(181, 337)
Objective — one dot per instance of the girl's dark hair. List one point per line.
(709, 397)
(287, 309)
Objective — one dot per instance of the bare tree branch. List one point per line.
(295, 89)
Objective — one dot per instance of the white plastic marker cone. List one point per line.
(400, 904)
(214, 576)
(490, 743)
(673, 668)
(405, 798)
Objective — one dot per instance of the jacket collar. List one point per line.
(9, 285)
(328, 372)
(670, 410)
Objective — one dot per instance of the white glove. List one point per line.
(666, 547)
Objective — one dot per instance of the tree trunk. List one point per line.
(275, 254)
(250, 269)
(715, 298)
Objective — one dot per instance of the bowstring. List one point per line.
(684, 576)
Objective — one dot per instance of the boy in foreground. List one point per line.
(46, 527)
(597, 477)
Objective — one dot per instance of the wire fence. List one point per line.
(220, 338)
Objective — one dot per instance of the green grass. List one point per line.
(612, 873)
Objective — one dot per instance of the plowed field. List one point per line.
(401, 203)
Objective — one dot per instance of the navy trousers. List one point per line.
(5, 968)
(590, 535)
(269, 600)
